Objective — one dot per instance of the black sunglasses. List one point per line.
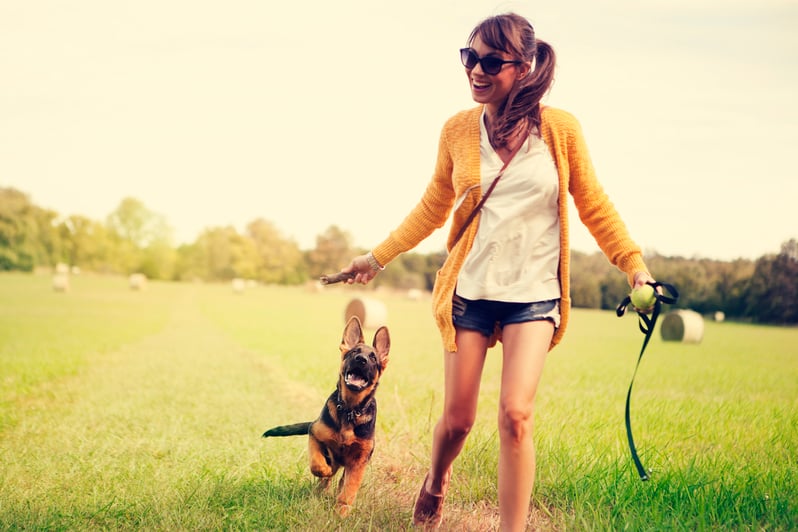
(491, 65)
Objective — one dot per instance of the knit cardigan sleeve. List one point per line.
(433, 209)
(596, 211)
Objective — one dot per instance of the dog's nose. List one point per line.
(361, 359)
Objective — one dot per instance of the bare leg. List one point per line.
(525, 348)
(462, 374)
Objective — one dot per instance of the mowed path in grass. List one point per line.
(162, 431)
(142, 429)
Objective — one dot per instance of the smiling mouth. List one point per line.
(355, 381)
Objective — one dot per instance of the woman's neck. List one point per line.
(518, 136)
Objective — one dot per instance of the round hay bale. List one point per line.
(238, 285)
(61, 282)
(682, 326)
(371, 312)
(137, 281)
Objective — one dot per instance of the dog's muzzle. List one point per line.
(359, 373)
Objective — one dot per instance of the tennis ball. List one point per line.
(644, 297)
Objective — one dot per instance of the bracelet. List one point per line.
(373, 262)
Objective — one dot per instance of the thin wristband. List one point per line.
(373, 262)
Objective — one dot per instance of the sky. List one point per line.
(311, 114)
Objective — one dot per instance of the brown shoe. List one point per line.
(428, 512)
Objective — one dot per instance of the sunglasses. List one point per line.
(491, 65)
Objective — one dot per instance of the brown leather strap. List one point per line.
(473, 213)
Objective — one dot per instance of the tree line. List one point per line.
(136, 239)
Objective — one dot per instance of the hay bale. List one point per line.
(137, 281)
(371, 312)
(238, 285)
(414, 294)
(61, 282)
(682, 326)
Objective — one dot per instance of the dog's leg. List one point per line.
(320, 464)
(324, 482)
(349, 486)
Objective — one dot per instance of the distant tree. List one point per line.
(27, 234)
(134, 222)
(773, 291)
(279, 259)
(586, 290)
(730, 280)
(434, 263)
(790, 249)
(407, 271)
(333, 251)
(158, 259)
(614, 288)
(589, 273)
(142, 240)
(85, 243)
(227, 254)
(191, 264)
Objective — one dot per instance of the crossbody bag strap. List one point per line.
(473, 213)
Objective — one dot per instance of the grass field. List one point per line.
(143, 410)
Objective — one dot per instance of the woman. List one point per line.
(507, 276)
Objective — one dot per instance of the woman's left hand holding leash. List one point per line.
(642, 278)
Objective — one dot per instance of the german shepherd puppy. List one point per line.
(343, 434)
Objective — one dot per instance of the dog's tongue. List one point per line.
(355, 380)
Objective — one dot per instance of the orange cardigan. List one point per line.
(458, 169)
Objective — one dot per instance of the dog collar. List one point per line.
(351, 414)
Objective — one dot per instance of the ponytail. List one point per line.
(523, 102)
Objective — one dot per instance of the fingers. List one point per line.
(362, 269)
(642, 278)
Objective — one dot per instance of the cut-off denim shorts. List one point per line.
(484, 315)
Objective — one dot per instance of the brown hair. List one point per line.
(514, 35)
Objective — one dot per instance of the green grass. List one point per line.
(143, 410)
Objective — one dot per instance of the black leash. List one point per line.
(646, 325)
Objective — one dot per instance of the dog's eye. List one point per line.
(372, 357)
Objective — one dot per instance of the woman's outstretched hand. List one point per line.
(362, 269)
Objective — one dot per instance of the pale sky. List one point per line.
(314, 113)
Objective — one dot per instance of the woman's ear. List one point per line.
(524, 69)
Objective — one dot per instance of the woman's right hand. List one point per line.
(362, 269)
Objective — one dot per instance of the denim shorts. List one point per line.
(484, 315)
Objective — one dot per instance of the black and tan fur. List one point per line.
(343, 434)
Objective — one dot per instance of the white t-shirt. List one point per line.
(516, 252)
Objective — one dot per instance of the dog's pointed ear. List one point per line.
(382, 345)
(353, 334)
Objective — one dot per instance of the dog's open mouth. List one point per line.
(355, 381)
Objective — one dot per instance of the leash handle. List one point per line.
(646, 325)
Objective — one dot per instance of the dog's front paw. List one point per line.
(342, 508)
(323, 471)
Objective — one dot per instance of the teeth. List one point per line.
(355, 380)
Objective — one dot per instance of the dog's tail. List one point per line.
(296, 429)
